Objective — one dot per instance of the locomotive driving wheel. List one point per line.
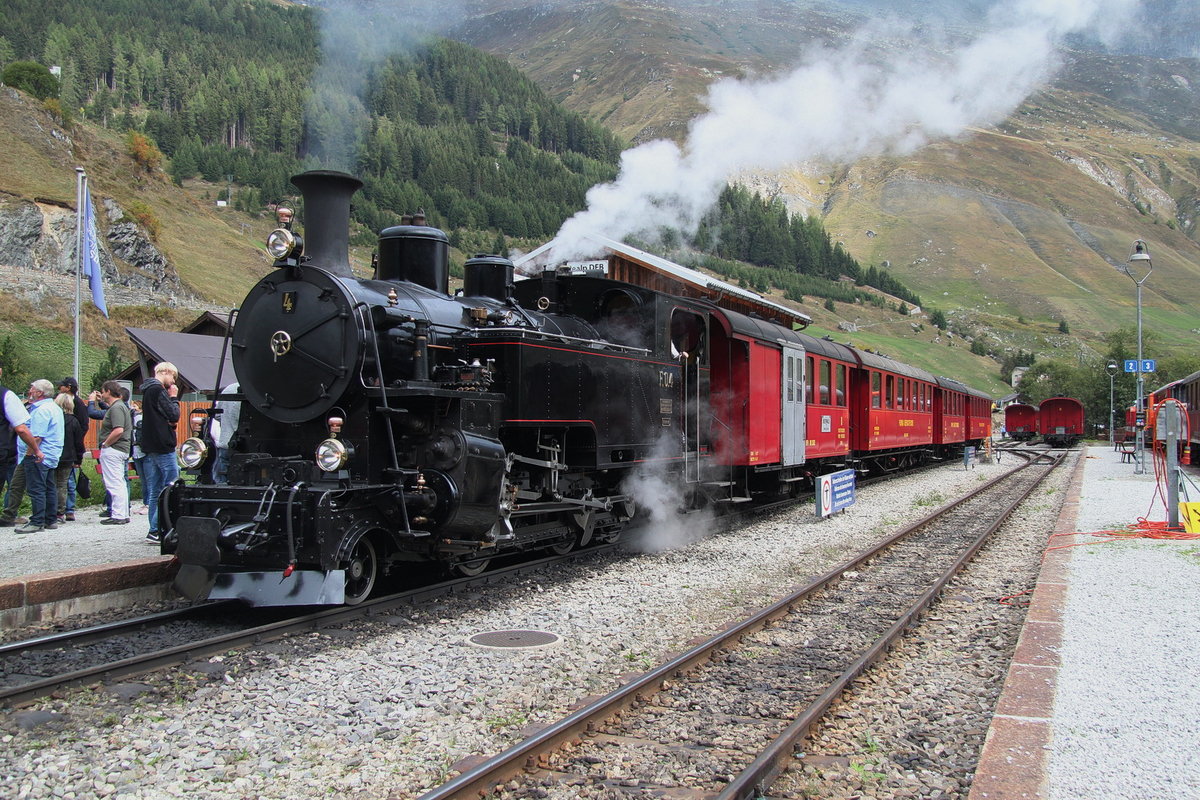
(469, 569)
(361, 572)
(565, 546)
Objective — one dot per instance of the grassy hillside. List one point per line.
(1009, 230)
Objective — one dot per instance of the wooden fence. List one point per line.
(182, 427)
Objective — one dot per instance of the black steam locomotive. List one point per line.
(386, 421)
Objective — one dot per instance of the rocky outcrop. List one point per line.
(38, 254)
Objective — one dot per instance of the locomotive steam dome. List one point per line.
(415, 253)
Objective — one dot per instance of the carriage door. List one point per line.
(791, 449)
(689, 347)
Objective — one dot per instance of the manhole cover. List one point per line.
(513, 639)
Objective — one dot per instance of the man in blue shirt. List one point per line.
(47, 426)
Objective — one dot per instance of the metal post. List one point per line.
(1139, 449)
(80, 188)
(1140, 254)
(1111, 369)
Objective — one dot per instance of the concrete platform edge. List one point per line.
(54, 595)
(1015, 753)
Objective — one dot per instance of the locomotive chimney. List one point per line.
(327, 218)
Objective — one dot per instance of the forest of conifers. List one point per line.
(224, 88)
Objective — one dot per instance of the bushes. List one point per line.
(143, 151)
(144, 216)
(32, 78)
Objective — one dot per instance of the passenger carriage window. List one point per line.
(810, 380)
(841, 385)
(791, 377)
(874, 390)
(824, 382)
(901, 391)
(889, 396)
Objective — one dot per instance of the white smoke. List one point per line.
(357, 35)
(836, 105)
(665, 523)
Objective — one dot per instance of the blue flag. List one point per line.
(91, 255)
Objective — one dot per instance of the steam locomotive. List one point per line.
(386, 422)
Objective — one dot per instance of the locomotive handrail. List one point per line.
(368, 319)
(561, 337)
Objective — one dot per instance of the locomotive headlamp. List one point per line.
(281, 243)
(335, 425)
(333, 454)
(191, 453)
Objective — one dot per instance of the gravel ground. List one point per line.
(386, 708)
(1126, 723)
(81, 543)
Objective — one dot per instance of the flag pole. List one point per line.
(80, 184)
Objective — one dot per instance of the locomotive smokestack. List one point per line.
(327, 218)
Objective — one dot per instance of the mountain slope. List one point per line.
(1028, 220)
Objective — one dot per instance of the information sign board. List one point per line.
(835, 492)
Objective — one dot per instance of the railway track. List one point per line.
(723, 719)
(38, 667)
(35, 668)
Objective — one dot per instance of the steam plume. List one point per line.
(356, 35)
(836, 105)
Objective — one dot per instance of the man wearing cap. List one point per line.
(69, 385)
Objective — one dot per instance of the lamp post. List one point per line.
(1139, 258)
(1111, 369)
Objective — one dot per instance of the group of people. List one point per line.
(42, 448)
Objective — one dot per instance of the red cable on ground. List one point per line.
(1145, 528)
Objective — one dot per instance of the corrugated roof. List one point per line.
(677, 271)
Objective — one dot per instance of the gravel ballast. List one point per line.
(391, 705)
(387, 707)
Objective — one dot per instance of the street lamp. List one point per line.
(1139, 259)
(1111, 369)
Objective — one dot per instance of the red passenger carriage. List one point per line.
(891, 412)
(1060, 420)
(1021, 421)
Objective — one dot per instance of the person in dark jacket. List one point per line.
(160, 412)
(72, 453)
(14, 423)
(69, 385)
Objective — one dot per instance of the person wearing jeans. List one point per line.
(46, 425)
(160, 412)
